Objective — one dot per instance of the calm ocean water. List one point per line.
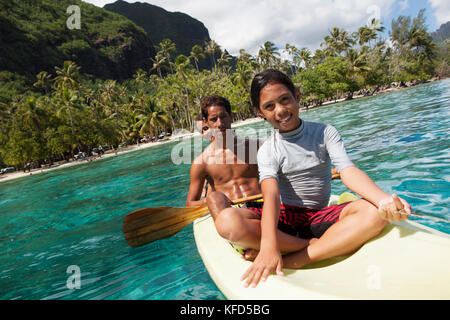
(73, 216)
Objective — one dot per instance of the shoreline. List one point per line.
(112, 153)
(382, 90)
(181, 135)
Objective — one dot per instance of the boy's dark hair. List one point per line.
(214, 100)
(264, 78)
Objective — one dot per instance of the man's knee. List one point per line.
(216, 202)
(229, 224)
(217, 197)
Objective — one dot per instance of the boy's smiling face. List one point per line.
(279, 107)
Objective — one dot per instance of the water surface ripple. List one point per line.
(73, 216)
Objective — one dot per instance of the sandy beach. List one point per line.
(113, 153)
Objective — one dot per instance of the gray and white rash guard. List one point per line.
(301, 160)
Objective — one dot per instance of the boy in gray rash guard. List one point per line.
(300, 161)
(294, 167)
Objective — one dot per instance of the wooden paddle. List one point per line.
(144, 226)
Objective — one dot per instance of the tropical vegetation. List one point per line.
(66, 111)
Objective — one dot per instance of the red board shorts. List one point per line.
(304, 222)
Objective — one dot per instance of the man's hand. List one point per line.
(394, 209)
(267, 262)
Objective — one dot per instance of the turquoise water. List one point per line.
(73, 216)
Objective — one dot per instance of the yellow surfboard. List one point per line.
(406, 261)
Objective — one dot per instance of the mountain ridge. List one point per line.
(441, 34)
(159, 24)
(34, 37)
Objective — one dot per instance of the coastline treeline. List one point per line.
(66, 112)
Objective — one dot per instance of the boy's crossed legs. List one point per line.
(358, 222)
(242, 226)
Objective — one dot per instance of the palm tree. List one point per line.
(357, 61)
(362, 35)
(345, 41)
(319, 56)
(66, 82)
(290, 49)
(267, 55)
(224, 59)
(149, 117)
(67, 100)
(305, 56)
(166, 47)
(293, 52)
(243, 75)
(244, 56)
(158, 63)
(375, 26)
(422, 43)
(130, 129)
(357, 64)
(196, 54)
(6, 115)
(68, 75)
(331, 42)
(109, 97)
(140, 77)
(33, 114)
(367, 33)
(44, 81)
(182, 66)
(338, 41)
(211, 47)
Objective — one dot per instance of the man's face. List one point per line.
(218, 119)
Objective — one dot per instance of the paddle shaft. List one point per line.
(246, 199)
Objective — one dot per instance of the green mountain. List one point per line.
(160, 24)
(441, 34)
(34, 37)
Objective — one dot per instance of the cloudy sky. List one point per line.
(247, 24)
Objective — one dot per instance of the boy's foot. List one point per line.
(250, 254)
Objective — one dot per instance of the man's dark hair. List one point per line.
(214, 100)
(264, 78)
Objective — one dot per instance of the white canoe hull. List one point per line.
(406, 261)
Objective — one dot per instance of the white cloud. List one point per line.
(247, 24)
(441, 10)
(403, 4)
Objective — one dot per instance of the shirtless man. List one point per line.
(227, 160)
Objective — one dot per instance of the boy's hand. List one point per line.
(394, 209)
(267, 262)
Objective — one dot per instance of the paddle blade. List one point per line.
(144, 226)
